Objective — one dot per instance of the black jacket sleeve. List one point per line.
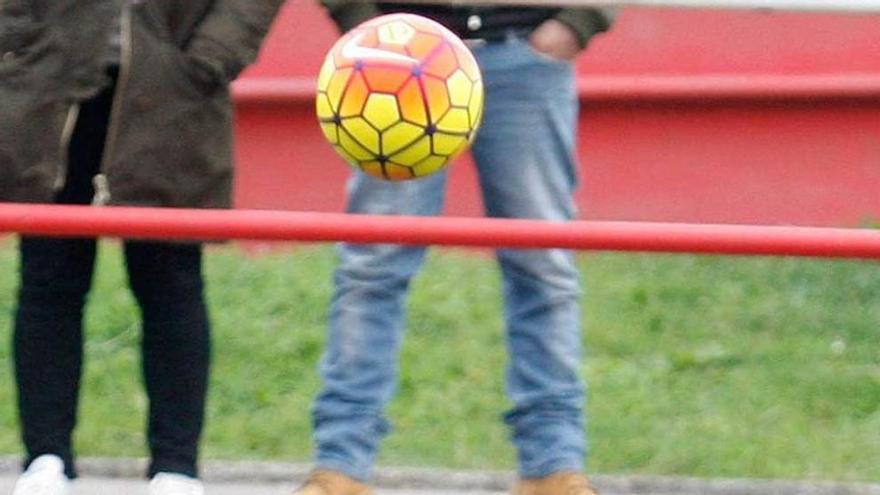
(349, 13)
(587, 23)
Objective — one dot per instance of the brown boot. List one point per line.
(327, 482)
(565, 483)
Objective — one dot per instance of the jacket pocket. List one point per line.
(164, 55)
(192, 74)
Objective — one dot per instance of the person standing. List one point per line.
(117, 102)
(525, 157)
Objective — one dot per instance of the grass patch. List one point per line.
(701, 366)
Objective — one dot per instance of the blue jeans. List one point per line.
(525, 158)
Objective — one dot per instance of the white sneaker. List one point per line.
(45, 476)
(175, 484)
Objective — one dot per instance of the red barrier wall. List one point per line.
(688, 116)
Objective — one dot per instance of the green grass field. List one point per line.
(701, 366)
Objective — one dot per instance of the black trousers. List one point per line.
(166, 280)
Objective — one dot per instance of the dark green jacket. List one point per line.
(585, 22)
(170, 137)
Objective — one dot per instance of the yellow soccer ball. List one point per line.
(399, 97)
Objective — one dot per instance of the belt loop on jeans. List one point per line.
(509, 35)
(474, 42)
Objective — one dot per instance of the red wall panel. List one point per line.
(698, 116)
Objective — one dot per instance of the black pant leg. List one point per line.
(55, 277)
(166, 280)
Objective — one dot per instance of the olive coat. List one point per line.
(170, 133)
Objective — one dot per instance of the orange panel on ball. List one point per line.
(389, 171)
(412, 105)
(355, 97)
(443, 63)
(385, 79)
(398, 172)
(423, 44)
(437, 96)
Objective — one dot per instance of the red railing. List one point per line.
(632, 89)
(164, 223)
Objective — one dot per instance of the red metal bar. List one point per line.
(163, 223)
(301, 90)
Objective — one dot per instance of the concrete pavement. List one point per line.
(123, 477)
(109, 486)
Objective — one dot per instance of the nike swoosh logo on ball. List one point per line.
(354, 51)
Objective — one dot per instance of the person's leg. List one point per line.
(55, 277)
(166, 280)
(365, 326)
(527, 169)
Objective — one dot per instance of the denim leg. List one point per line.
(525, 156)
(365, 327)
